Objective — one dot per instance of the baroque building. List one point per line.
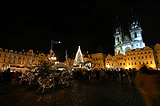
(124, 41)
(133, 59)
(14, 59)
(98, 60)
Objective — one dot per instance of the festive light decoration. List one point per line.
(78, 58)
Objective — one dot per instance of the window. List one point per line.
(13, 61)
(118, 39)
(149, 52)
(157, 62)
(135, 63)
(131, 58)
(128, 58)
(138, 57)
(9, 61)
(149, 56)
(124, 64)
(146, 57)
(135, 34)
(134, 57)
(139, 62)
(133, 53)
(128, 63)
(0, 54)
(132, 63)
(146, 62)
(14, 57)
(145, 52)
(141, 52)
(4, 60)
(120, 64)
(150, 62)
(5, 55)
(10, 56)
(137, 53)
(142, 57)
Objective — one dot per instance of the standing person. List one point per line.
(84, 73)
(148, 84)
(102, 74)
(89, 74)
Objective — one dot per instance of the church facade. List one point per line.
(124, 41)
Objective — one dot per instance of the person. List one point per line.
(102, 74)
(84, 73)
(147, 82)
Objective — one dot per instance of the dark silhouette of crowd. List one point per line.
(146, 80)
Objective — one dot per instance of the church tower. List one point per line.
(118, 38)
(136, 33)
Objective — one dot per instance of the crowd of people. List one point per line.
(147, 81)
(102, 74)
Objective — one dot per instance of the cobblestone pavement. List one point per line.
(93, 94)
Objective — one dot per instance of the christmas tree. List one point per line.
(78, 58)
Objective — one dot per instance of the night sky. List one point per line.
(88, 23)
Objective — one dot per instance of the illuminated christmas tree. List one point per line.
(78, 58)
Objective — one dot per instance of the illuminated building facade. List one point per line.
(124, 41)
(98, 60)
(133, 59)
(157, 55)
(10, 58)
